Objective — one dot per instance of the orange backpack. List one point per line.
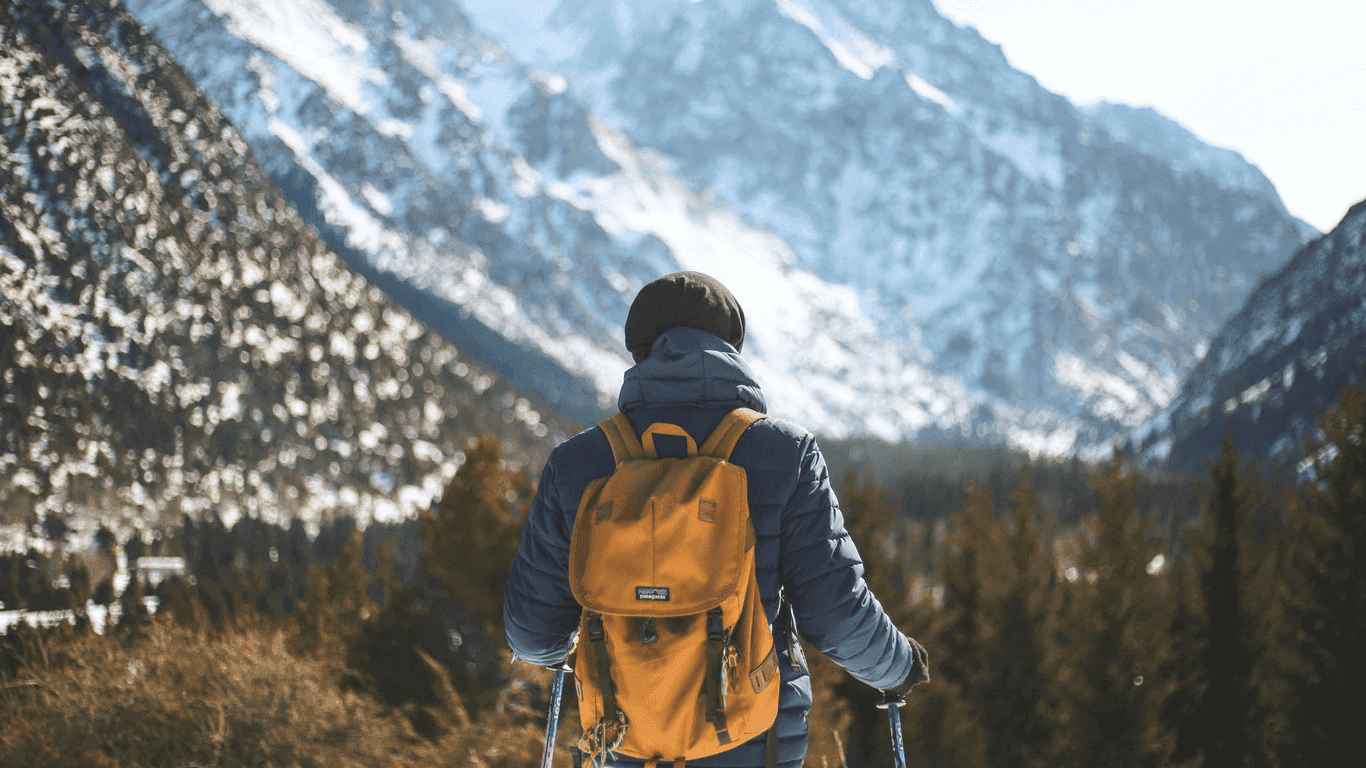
(675, 658)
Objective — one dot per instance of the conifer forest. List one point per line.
(1077, 615)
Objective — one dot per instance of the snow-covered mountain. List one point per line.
(924, 238)
(173, 338)
(1280, 362)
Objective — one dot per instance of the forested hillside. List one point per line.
(173, 338)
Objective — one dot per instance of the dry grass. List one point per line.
(177, 698)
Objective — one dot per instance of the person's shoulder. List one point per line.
(585, 447)
(581, 458)
(773, 441)
(780, 429)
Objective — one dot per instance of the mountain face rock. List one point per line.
(514, 220)
(1281, 361)
(926, 240)
(1060, 259)
(173, 338)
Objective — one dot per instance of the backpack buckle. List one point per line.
(595, 633)
(715, 629)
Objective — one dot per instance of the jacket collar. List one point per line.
(688, 367)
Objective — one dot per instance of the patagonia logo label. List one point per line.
(652, 593)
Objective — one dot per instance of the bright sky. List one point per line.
(1282, 82)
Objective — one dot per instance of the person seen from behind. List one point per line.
(685, 548)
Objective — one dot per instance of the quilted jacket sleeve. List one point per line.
(539, 611)
(822, 576)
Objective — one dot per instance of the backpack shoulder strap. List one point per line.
(722, 440)
(621, 435)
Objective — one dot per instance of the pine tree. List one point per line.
(133, 616)
(1018, 701)
(961, 576)
(297, 557)
(1269, 544)
(78, 591)
(11, 576)
(942, 730)
(386, 581)
(469, 537)
(871, 519)
(1111, 705)
(948, 715)
(1181, 713)
(1226, 657)
(1327, 609)
(135, 549)
(347, 590)
(337, 601)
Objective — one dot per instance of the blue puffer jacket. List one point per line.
(693, 379)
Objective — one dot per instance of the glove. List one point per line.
(920, 673)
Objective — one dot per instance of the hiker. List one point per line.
(678, 661)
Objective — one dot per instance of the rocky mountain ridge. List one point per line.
(1067, 261)
(928, 241)
(1281, 361)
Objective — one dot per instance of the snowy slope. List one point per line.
(173, 338)
(927, 240)
(1281, 361)
(486, 185)
(1061, 259)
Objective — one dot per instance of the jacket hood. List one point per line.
(690, 367)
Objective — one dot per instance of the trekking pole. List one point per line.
(552, 717)
(893, 707)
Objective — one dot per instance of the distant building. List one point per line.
(154, 570)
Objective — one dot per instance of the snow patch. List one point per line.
(554, 84)
(853, 49)
(493, 211)
(310, 37)
(378, 200)
(931, 93)
(425, 56)
(1114, 397)
(1255, 392)
(362, 229)
(1055, 442)
(1160, 387)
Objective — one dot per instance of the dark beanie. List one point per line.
(688, 299)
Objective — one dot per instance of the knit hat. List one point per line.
(688, 299)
